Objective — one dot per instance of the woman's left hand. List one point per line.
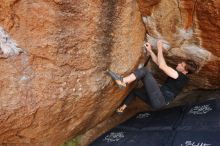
(148, 47)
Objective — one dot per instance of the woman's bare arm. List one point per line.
(162, 63)
(153, 56)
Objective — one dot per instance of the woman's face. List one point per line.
(181, 66)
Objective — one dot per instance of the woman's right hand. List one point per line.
(159, 44)
(148, 47)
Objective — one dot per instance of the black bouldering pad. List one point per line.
(158, 120)
(197, 138)
(192, 125)
(202, 116)
(122, 137)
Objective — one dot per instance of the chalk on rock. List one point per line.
(145, 19)
(153, 42)
(185, 34)
(7, 45)
(197, 51)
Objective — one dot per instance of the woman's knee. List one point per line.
(141, 72)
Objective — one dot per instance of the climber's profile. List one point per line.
(155, 95)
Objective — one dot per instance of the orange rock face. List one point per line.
(191, 31)
(57, 88)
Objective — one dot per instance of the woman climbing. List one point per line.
(151, 92)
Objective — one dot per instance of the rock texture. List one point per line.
(58, 88)
(191, 31)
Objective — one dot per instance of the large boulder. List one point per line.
(190, 30)
(57, 87)
(53, 81)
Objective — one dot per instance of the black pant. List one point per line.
(150, 92)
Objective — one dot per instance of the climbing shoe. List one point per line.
(117, 78)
